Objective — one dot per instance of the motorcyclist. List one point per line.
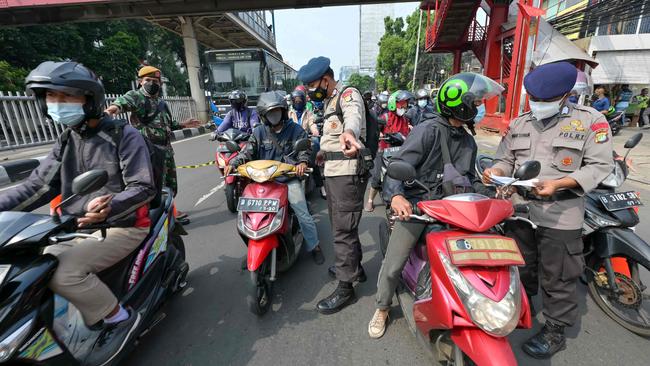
(73, 96)
(395, 122)
(439, 134)
(300, 114)
(274, 140)
(367, 99)
(423, 105)
(381, 106)
(239, 116)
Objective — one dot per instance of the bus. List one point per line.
(253, 70)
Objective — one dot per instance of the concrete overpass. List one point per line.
(216, 24)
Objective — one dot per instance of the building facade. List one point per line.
(346, 72)
(371, 29)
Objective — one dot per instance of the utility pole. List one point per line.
(417, 51)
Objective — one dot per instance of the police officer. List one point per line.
(152, 117)
(574, 145)
(346, 176)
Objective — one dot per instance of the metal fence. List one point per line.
(22, 123)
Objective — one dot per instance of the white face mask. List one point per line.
(401, 111)
(543, 110)
(384, 105)
(422, 103)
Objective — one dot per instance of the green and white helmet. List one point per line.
(398, 96)
(458, 96)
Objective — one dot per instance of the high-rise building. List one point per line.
(371, 29)
(346, 72)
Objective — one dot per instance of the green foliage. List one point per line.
(361, 82)
(396, 59)
(113, 49)
(12, 78)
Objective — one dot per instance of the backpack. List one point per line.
(115, 129)
(372, 127)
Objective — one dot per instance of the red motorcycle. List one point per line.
(267, 225)
(234, 185)
(461, 292)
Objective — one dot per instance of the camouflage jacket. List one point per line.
(158, 130)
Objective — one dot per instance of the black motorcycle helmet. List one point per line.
(237, 99)
(69, 77)
(298, 94)
(367, 95)
(270, 102)
(461, 93)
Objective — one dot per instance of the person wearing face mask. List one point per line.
(443, 154)
(396, 122)
(381, 107)
(346, 173)
(299, 113)
(274, 140)
(151, 116)
(574, 145)
(423, 106)
(72, 96)
(240, 116)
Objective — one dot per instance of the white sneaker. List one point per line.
(377, 325)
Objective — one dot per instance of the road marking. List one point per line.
(212, 191)
(188, 139)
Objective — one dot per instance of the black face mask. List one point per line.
(151, 88)
(318, 94)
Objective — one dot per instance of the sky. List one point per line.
(329, 31)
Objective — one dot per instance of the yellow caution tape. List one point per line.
(196, 165)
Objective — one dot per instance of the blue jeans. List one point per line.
(299, 205)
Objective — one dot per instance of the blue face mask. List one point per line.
(480, 114)
(67, 114)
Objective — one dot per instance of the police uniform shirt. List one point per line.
(354, 119)
(576, 143)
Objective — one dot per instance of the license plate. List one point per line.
(258, 205)
(620, 200)
(391, 151)
(484, 251)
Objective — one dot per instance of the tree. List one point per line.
(361, 82)
(396, 58)
(113, 49)
(12, 78)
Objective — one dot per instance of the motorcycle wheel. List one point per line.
(259, 297)
(616, 128)
(231, 199)
(631, 307)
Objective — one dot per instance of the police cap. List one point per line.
(314, 70)
(550, 81)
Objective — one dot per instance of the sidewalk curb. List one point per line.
(14, 171)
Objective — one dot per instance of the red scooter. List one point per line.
(267, 225)
(234, 185)
(461, 292)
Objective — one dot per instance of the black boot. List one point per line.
(361, 278)
(340, 298)
(549, 341)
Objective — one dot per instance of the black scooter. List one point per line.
(39, 327)
(617, 259)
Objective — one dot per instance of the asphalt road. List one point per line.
(209, 323)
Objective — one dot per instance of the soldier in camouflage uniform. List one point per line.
(152, 117)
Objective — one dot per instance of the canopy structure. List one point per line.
(553, 46)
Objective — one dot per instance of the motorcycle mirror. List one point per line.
(633, 141)
(302, 145)
(89, 182)
(232, 146)
(528, 170)
(401, 171)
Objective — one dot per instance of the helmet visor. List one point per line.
(485, 88)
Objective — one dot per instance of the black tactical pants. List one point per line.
(344, 202)
(555, 256)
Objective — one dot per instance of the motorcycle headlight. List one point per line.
(498, 318)
(261, 175)
(269, 229)
(616, 178)
(11, 342)
(4, 271)
(598, 221)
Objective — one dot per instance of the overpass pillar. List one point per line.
(193, 60)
